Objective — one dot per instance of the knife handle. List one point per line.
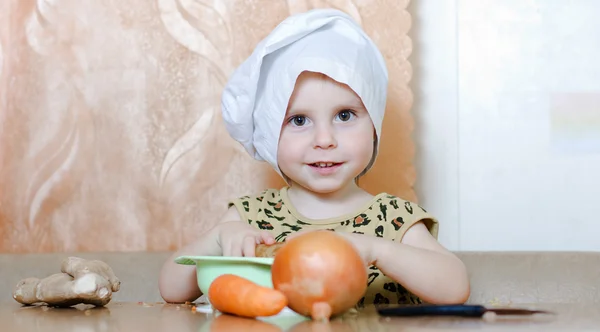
(462, 310)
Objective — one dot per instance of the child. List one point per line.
(310, 101)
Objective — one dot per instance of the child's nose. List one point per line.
(324, 137)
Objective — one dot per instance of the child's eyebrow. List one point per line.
(353, 105)
(356, 104)
(292, 110)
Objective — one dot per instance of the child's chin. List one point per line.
(324, 186)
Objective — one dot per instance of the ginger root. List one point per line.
(81, 282)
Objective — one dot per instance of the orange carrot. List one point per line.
(239, 296)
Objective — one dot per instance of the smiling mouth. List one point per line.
(324, 164)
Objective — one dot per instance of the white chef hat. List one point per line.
(326, 41)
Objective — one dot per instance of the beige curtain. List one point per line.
(110, 130)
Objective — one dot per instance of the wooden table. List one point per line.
(163, 317)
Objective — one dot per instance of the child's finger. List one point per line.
(248, 246)
(232, 249)
(226, 247)
(267, 238)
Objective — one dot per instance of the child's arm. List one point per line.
(177, 283)
(422, 266)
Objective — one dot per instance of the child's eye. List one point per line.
(345, 115)
(298, 120)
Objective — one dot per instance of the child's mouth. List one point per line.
(325, 168)
(324, 165)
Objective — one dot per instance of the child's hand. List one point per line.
(362, 243)
(237, 238)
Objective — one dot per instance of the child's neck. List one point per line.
(315, 205)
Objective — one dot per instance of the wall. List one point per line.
(110, 130)
(506, 100)
(507, 109)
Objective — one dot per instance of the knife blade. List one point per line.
(462, 310)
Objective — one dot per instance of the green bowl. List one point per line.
(256, 269)
(208, 268)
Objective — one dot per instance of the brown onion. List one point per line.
(321, 274)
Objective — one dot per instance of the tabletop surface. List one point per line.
(162, 317)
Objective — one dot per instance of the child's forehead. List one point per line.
(316, 88)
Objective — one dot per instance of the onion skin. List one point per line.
(321, 274)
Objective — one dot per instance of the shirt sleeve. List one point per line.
(404, 214)
(252, 208)
(248, 206)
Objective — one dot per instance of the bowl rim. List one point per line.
(194, 260)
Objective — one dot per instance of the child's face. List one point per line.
(327, 135)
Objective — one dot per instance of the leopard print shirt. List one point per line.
(384, 216)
